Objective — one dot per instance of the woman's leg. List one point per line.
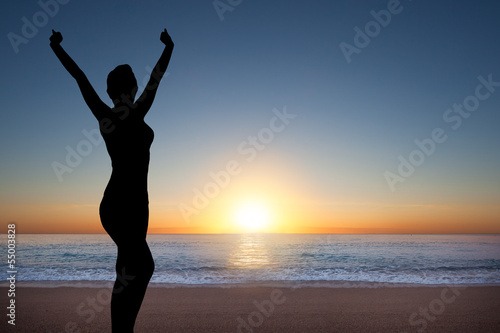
(127, 224)
(134, 268)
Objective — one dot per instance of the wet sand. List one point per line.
(262, 309)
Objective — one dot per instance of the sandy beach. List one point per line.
(263, 309)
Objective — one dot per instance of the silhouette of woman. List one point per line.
(124, 209)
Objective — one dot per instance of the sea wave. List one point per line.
(249, 259)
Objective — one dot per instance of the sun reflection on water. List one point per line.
(250, 253)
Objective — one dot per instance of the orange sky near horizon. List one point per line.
(346, 218)
(292, 203)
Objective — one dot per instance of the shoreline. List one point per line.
(259, 284)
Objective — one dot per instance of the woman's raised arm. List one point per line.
(147, 97)
(96, 105)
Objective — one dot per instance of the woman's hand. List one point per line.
(165, 38)
(56, 38)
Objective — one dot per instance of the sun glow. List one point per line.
(252, 217)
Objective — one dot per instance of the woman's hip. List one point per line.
(124, 219)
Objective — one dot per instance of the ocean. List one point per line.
(267, 258)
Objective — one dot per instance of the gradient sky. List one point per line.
(325, 171)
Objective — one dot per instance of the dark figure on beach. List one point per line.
(124, 209)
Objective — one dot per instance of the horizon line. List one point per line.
(270, 233)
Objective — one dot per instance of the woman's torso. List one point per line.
(128, 142)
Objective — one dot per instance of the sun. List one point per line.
(253, 216)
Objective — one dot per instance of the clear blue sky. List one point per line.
(226, 76)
